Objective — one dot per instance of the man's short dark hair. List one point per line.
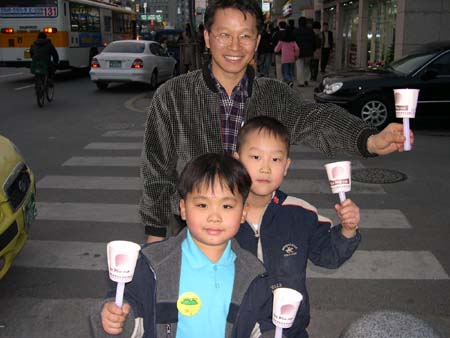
(267, 124)
(208, 168)
(247, 7)
(42, 35)
(282, 24)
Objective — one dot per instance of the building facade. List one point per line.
(371, 33)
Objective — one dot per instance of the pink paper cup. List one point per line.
(406, 102)
(339, 176)
(122, 258)
(285, 306)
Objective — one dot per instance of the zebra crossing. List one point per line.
(88, 257)
(364, 265)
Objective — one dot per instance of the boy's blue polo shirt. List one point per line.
(212, 283)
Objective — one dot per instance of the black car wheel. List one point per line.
(102, 85)
(375, 110)
(154, 80)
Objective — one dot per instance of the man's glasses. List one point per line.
(225, 39)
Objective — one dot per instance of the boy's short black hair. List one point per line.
(264, 123)
(251, 7)
(208, 168)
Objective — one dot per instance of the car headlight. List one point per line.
(331, 88)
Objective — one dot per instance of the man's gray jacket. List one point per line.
(184, 122)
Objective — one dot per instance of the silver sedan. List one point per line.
(132, 61)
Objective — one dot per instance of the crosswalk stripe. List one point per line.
(135, 161)
(90, 182)
(363, 265)
(104, 161)
(290, 185)
(385, 265)
(128, 213)
(124, 133)
(88, 212)
(114, 146)
(375, 218)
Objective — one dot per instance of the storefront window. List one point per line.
(349, 33)
(381, 33)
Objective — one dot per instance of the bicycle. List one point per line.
(43, 89)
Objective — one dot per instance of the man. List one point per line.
(327, 47)
(304, 36)
(277, 37)
(43, 50)
(203, 111)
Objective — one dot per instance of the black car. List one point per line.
(369, 94)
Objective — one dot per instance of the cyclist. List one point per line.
(43, 51)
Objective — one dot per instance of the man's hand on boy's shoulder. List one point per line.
(348, 213)
(113, 317)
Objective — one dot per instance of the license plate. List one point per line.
(115, 64)
(29, 211)
(26, 54)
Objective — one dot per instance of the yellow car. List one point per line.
(17, 203)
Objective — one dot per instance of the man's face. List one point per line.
(230, 60)
(265, 157)
(213, 215)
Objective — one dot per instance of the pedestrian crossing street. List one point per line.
(80, 255)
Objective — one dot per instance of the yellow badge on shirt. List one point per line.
(188, 304)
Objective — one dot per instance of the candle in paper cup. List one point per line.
(285, 306)
(339, 176)
(122, 257)
(405, 108)
(406, 102)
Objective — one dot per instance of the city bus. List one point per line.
(79, 29)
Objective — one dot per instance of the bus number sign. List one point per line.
(28, 12)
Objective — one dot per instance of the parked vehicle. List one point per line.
(369, 94)
(17, 203)
(172, 35)
(132, 61)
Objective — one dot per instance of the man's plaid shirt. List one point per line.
(232, 112)
(183, 123)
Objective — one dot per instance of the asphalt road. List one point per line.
(84, 149)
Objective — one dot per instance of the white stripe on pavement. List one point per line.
(363, 265)
(8, 75)
(290, 186)
(375, 218)
(124, 133)
(24, 87)
(104, 161)
(385, 265)
(321, 186)
(135, 161)
(90, 182)
(98, 212)
(88, 212)
(114, 146)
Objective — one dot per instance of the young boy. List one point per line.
(199, 283)
(284, 231)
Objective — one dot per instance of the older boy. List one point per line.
(284, 231)
(199, 283)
